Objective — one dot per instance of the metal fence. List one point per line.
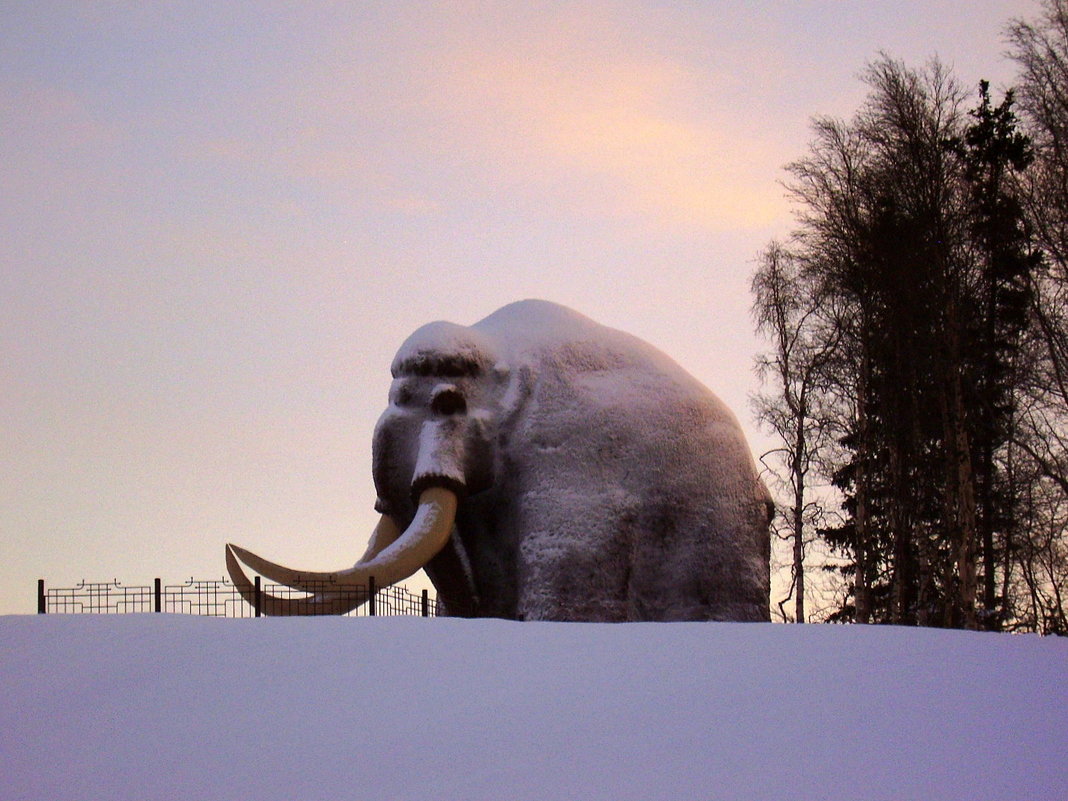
(222, 599)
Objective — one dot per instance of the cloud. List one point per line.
(625, 134)
(571, 109)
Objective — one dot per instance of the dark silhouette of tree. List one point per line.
(899, 312)
(1041, 50)
(1040, 433)
(882, 213)
(995, 153)
(788, 311)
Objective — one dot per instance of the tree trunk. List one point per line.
(902, 557)
(862, 579)
(960, 479)
(986, 525)
(799, 520)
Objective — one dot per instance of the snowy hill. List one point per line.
(160, 706)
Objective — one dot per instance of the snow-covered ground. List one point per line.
(160, 706)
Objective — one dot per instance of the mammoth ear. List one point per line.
(446, 400)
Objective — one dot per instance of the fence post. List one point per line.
(426, 604)
(259, 597)
(42, 604)
(159, 596)
(371, 596)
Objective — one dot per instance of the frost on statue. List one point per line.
(540, 466)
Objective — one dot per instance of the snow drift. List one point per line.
(154, 706)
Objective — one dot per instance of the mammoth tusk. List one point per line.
(384, 535)
(395, 557)
(322, 604)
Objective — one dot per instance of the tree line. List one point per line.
(917, 364)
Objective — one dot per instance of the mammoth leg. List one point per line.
(575, 566)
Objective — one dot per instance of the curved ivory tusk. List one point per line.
(385, 534)
(421, 541)
(322, 604)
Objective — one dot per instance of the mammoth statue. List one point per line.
(541, 466)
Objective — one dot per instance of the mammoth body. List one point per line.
(598, 481)
(542, 466)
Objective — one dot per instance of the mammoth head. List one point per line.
(432, 447)
(438, 428)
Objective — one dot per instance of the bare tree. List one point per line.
(894, 309)
(787, 310)
(1040, 48)
(919, 354)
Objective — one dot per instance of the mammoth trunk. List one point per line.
(441, 456)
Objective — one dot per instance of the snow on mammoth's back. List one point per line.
(532, 332)
(529, 327)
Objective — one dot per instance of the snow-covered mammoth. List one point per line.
(541, 466)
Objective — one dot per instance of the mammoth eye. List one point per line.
(448, 400)
(402, 397)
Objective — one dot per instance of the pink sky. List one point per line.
(218, 222)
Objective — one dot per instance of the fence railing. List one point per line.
(222, 599)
